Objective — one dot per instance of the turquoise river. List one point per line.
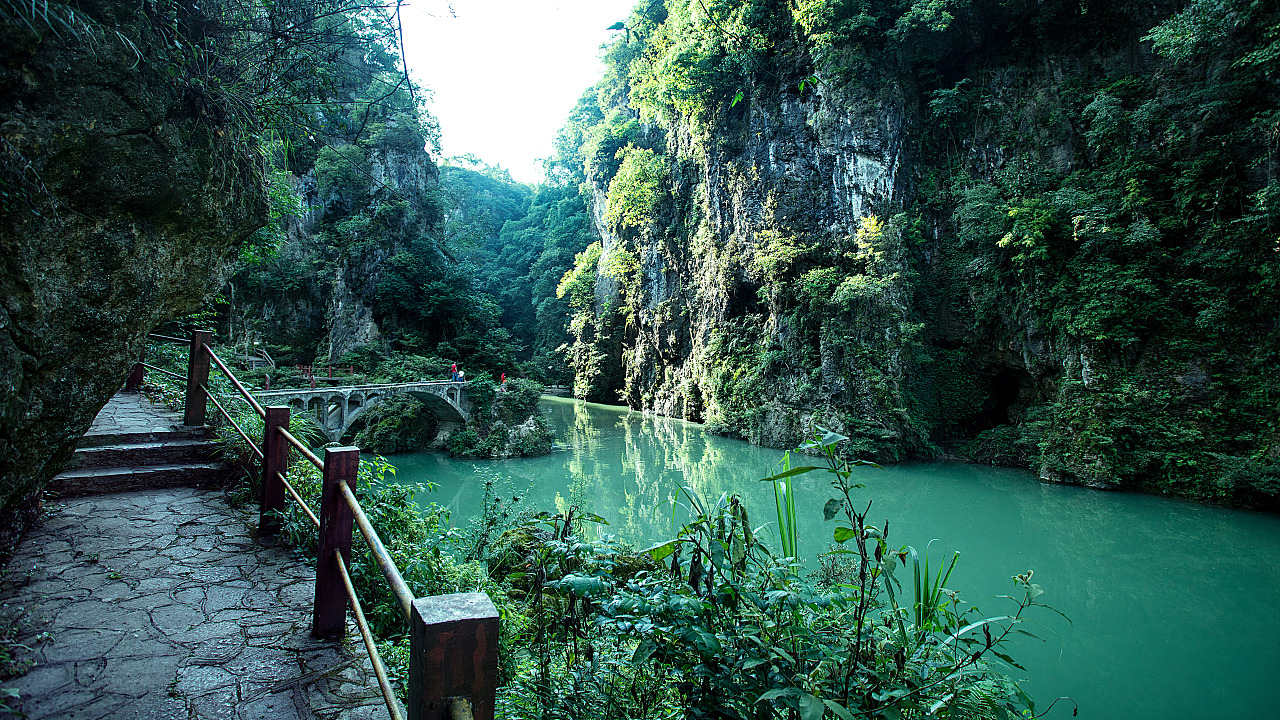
(1173, 607)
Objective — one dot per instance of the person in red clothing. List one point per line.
(453, 372)
(503, 381)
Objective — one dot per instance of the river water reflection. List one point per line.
(1173, 606)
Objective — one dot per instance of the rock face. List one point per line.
(125, 197)
(747, 199)
(793, 170)
(943, 244)
(317, 296)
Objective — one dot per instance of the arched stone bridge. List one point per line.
(336, 408)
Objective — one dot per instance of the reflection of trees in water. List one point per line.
(584, 429)
(661, 456)
(584, 465)
(629, 467)
(645, 503)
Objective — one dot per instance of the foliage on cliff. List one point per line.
(398, 424)
(505, 422)
(1042, 233)
(379, 262)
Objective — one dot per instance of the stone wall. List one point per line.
(126, 194)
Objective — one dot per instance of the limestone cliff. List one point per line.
(1017, 232)
(785, 171)
(125, 195)
(315, 300)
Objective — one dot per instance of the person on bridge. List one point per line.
(462, 377)
(453, 372)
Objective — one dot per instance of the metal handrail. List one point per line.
(234, 424)
(389, 570)
(306, 452)
(384, 684)
(298, 499)
(232, 377)
(388, 566)
(162, 370)
(166, 338)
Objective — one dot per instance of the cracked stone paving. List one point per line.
(161, 604)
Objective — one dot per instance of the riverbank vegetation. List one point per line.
(712, 622)
(716, 621)
(505, 422)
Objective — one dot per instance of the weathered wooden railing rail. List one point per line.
(453, 662)
(309, 371)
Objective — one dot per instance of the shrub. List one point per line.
(398, 424)
(505, 422)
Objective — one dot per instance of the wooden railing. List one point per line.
(453, 661)
(309, 371)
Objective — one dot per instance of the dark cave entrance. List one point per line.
(1006, 387)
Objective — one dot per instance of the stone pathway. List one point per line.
(160, 604)
(132, 412)
(134, 445)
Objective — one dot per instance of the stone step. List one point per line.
(138, 454)
(73, 483)
(159, 434)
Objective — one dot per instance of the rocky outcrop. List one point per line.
(315, 300)
(977, 238)
(126, 194)
(778, 174)
(351, 323)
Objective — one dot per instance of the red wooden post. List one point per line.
(330, 613)
(137, 375)
(197, 376)
(134, 383)
(275, 461)
(453, 652)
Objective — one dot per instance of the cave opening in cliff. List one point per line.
(1005, 387)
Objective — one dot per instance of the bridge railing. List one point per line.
(309, 371)
(453, 660)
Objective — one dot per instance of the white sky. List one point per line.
(504, 74)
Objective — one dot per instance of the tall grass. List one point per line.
(784, 500)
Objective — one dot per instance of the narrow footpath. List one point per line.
(160, 603)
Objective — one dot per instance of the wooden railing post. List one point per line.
(138, 374)
(197, 377)
(134, 383)
(453, 653)
(275, 461)
(330, 618)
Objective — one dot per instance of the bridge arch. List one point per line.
(445, 409)
(335, 409)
